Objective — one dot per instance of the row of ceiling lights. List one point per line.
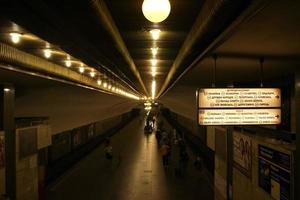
(155, 11)
(108, 85)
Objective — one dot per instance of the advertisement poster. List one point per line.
(2, 153)
(275, 173)
(242, 153)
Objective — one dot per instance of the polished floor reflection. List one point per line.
(135, 173)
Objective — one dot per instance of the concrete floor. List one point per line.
(136, 173)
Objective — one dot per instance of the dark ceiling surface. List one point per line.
(272, 34)
(134, 28)
(80, 30)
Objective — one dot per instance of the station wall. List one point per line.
(68, 106)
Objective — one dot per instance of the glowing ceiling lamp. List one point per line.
(68, 63)
(156, 10)
(81, 69)
(155, 33)
(153, 71)
(153, 62)
(99, 82)
(92, 74)
(154, 51)
(15, 37)
(105, 84)
(153, 89)
(47, 53)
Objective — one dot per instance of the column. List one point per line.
(7, 124)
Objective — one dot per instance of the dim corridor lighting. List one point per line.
(155, 33)
(153, 62)
(6, 89)
(154, 51)
(68, 63)
(92, 74)
(153, 89)
(47, 53)
(156, 10)
(15, 37)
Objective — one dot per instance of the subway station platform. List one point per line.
(135, 173)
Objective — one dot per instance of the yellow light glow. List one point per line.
(47, 53)
(109, 87)
(99, 82)
(68, 63)
(154, 51)
(156, 10)
(155, 33)
(92, 74)
(105, 84)
(153, 62)
(15, 37)
(81, 69)
(153, 89)
(153, 69)
(153, 73)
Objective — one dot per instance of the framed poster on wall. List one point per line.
(242, 153)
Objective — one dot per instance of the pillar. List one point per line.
(7, 124)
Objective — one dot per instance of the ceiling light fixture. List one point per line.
(99, 82)
(105, 84)
(155, 33)
(153, 73)
(81, 69)
(15, 37)
(154, 51)
(68, 63)
(156, 10)
(153, 62)
(153, 89)
(92, 74)
(47, 53)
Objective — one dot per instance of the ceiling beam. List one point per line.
(106, 19)
(211, 12)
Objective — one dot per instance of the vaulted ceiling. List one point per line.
(113, 36)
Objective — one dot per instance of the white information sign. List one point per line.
(240, 98)
(239, 116)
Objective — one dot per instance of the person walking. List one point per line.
(165, 151)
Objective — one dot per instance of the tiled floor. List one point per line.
(136, 173)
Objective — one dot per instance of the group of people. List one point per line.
(173, 142)
(166, 141)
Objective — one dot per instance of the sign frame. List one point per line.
(198, 107)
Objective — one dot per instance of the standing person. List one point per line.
(165, 150)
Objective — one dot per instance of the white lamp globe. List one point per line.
(156, 10)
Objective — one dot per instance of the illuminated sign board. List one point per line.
(239, 98)
(239, 106)
(239, 116)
